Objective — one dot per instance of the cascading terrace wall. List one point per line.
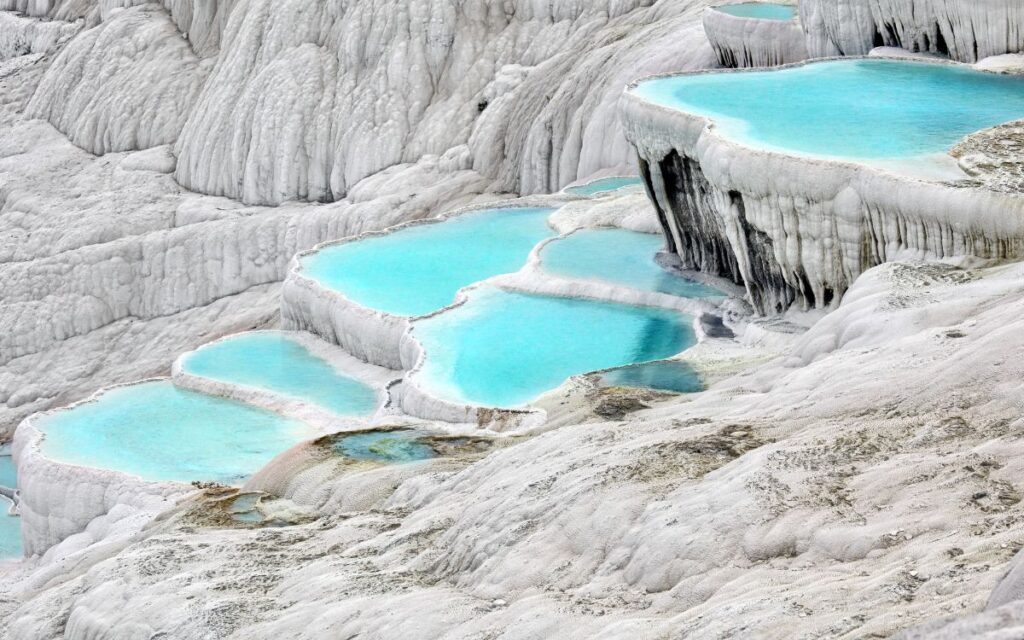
(798, 230)
(966, 30)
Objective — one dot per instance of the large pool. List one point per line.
(159, 432)
(276, 362)
(621, 257)
(760, 10)
(417, 270)
(857, 109)
(504, 349)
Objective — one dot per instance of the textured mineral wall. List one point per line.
(965, 30)
(801, 230)
(747, 42)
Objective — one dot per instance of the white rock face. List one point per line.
(749, 42)
(21, 35)
(966, 30)
(126, 84)
(295, 110)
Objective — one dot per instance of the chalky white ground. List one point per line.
(861, 483)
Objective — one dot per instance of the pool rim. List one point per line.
(529, 408)
(37, 435)
(717, 9)
(292, 407)
(596, 194)
(710, 125)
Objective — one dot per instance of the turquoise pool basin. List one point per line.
(620, 257)
(759, 10)
(503, 349)
(417, 270)
(849, 109)
(280, 364)
(603, 185)
(161, 433)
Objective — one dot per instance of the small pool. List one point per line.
(385, 446)
(503, 349)
(677, 377)
(278, 363)
(417, 270)
(10, 533)
(619, 256)
(856, 109)
(604, 185)
(159, 432)
(8, 477)
(759, 10)
(10, 526)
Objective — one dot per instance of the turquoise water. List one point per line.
(678, 377)
(10, 533)
(604, 184)
(385, 446)
(7, 475)
(275, 362)
(862, 109)
(619, 256)
(10, 526)
(159, 432)
(504, 349)
(418, 270)
(759, 10)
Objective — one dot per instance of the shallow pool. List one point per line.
(417, 270)
(857, 109)
(385, 446)
(677, 377)
(603, 185)
(159, 432)
(619, 256)
(10, 526)
(760, 10)
(503, 349)
(275, 362)
(10, 533)
(8, 478)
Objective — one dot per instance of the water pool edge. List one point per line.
(368, 334)
(45, 482)
(377, 378)
(739, 172)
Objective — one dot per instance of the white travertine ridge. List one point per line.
(104, 90)
(751, 42)
(796, 229)
(965, 30)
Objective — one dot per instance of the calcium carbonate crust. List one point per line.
(965, 30)
(795, 229)
(378, 378)
(752, 42)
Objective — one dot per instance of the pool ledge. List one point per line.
(369, 334)
(741, 42)
(378, 378)
(799, 229)
(59, 499)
